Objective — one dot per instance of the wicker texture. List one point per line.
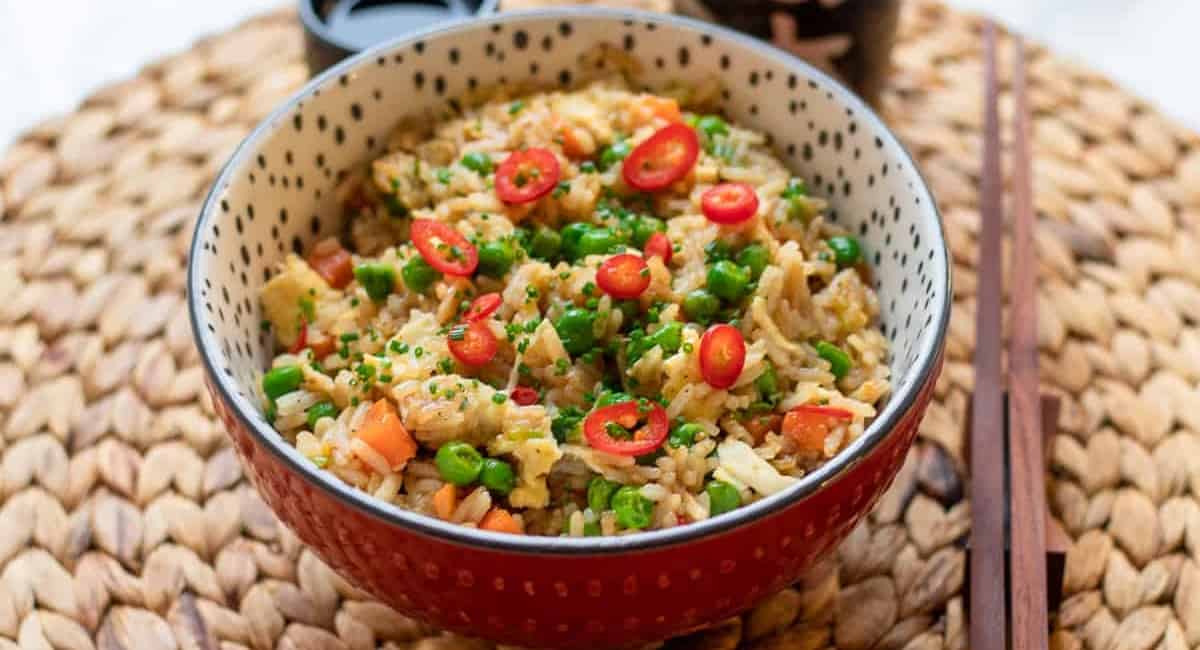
(125, 522)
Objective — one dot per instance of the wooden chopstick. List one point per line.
(1027, 491)
(988, 620)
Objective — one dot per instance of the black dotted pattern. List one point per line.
(843, 154)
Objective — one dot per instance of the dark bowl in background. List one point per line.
(336, 29)
(849, 39)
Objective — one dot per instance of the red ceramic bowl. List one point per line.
(278, 194)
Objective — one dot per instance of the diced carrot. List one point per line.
(332, 262)
(382, 430)
(322, 347)
(808, 433)
(445, 500)
(760, 425)
(809, 425)
(572, 145)
(498, 520)
(649, 107)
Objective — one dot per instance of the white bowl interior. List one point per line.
(277, 195)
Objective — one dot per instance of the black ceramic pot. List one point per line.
(336, 29)
(850, 38)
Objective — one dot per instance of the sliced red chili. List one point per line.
(473, 344)
(523, 396)
(301, 340)
(332, 262)
(809, 425)
(602, 424)
(722, 355)
(623, 276)
(729, 203)
(658, 244)
(321, 347)
(444, 248)
(527, 175)
(482, 307)
(662, 159)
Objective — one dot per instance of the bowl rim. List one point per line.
(900, 404)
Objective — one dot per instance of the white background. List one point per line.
(52, 52)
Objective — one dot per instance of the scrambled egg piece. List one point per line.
(527, 438)
(285, 299)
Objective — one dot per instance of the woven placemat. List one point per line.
(126, 522)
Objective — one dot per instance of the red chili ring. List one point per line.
(482, 307)
(523, 396)
(659, 244)
(527, 175)
(722, 355)
(473, 344)
(623, 276)
(443, 247)
(729, 203)
(627, 415)
(662, 159)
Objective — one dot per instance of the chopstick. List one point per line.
(988, 620)
(1027, 492)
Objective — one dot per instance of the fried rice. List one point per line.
(370, 385)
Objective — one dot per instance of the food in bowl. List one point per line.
(586, 312)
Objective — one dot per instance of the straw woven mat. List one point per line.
(125, 521)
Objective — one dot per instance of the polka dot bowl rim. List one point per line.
(900, 402)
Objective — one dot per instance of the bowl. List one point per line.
(277, 195)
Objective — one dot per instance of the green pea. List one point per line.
(846, 251)
(728, 280)
(839, 361)
(642, 227)
(497, 476)
(722, 497)
(711, 125)
(755, 257)
(496, 258)
(377, 278)
(768, 383)
(717, 250)
(610, 397)
(459, 463)
(478, 162)
(683, 435)
(571, 234)
(701, 305)
(575, 330)
(418, 274)
(614, 153)
(600, 493)
(282, 380)
(320, 410)
(669, 337)
(598, 241)
(545, 243)
(632, 509)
